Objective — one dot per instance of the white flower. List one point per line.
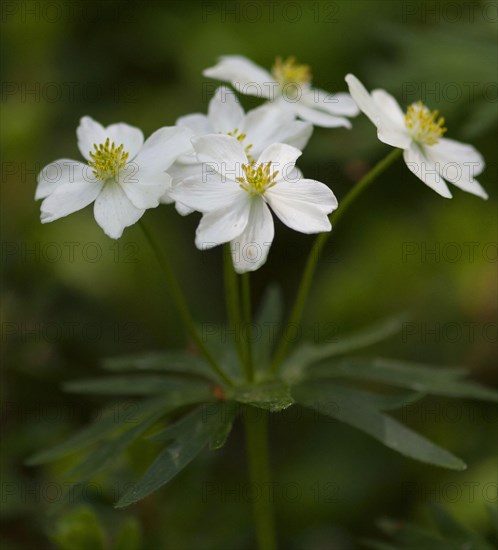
(419, 132)
(288, 86)
(236, 191)
(255, 130)
(123, 175)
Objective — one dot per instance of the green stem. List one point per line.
(316, 250)
(246, 308)
(181, 304)
(233, 306)
(256, 427)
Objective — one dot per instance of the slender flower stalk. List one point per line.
(256, 427)
(182, 306)
(321, 240)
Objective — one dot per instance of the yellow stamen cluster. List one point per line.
(107, 159)
(257, 178)
(288, 71)
(240, 137)
(424, 123)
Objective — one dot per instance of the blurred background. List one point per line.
(71, 296)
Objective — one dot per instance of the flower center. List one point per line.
(107, 159)
(240, 137)
(257, 179)
(289, 72)
(424, 124)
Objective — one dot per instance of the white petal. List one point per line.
(144, 188)
(182, 209)
(244, 75)
(389, 107)
(207, 193)
(68, 198)
(383, 111)
(471, 186)
(320, 118)
(391, 134)
(221, 153)
(199, 124)
(303, 205)
(282, 157)
(391, 127)
(363, 99)
(221, 226)
(341, 104)
(59, 172)
(451, 151)
(269, 124)
(426, 170)
(179, 172)
(250, 249)
(225, 113)
(114, 211)
(130, 137)
(163, 147)
(89, 132)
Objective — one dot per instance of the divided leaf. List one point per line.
(305, 355)
(342, 404)
(420, 378)
(189, 436)
(131, 385)
(180, 362)
(272, 396)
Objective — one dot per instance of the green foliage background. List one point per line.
(141, 62)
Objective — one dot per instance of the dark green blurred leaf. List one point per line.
(79, 529)
(421, 378)
(190, 435)
(129, 536)
(453, 530)
(343, 405)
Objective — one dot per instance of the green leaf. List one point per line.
(231, 411)
(307, 354)
(130, 385)
(110, 450)
(268, 324)
(453, 530)
(353, 410)
(190, 435)
(112, 419)
(169, 361)
(272, 396)
(129, 536)
(421, 378)
(79, 529)
(410, 537)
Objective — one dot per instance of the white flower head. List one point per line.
(123, 176)
(432, 158)
(235, 194)
(288, 86)
(256, 130)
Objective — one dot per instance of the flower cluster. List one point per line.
(235, 168)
